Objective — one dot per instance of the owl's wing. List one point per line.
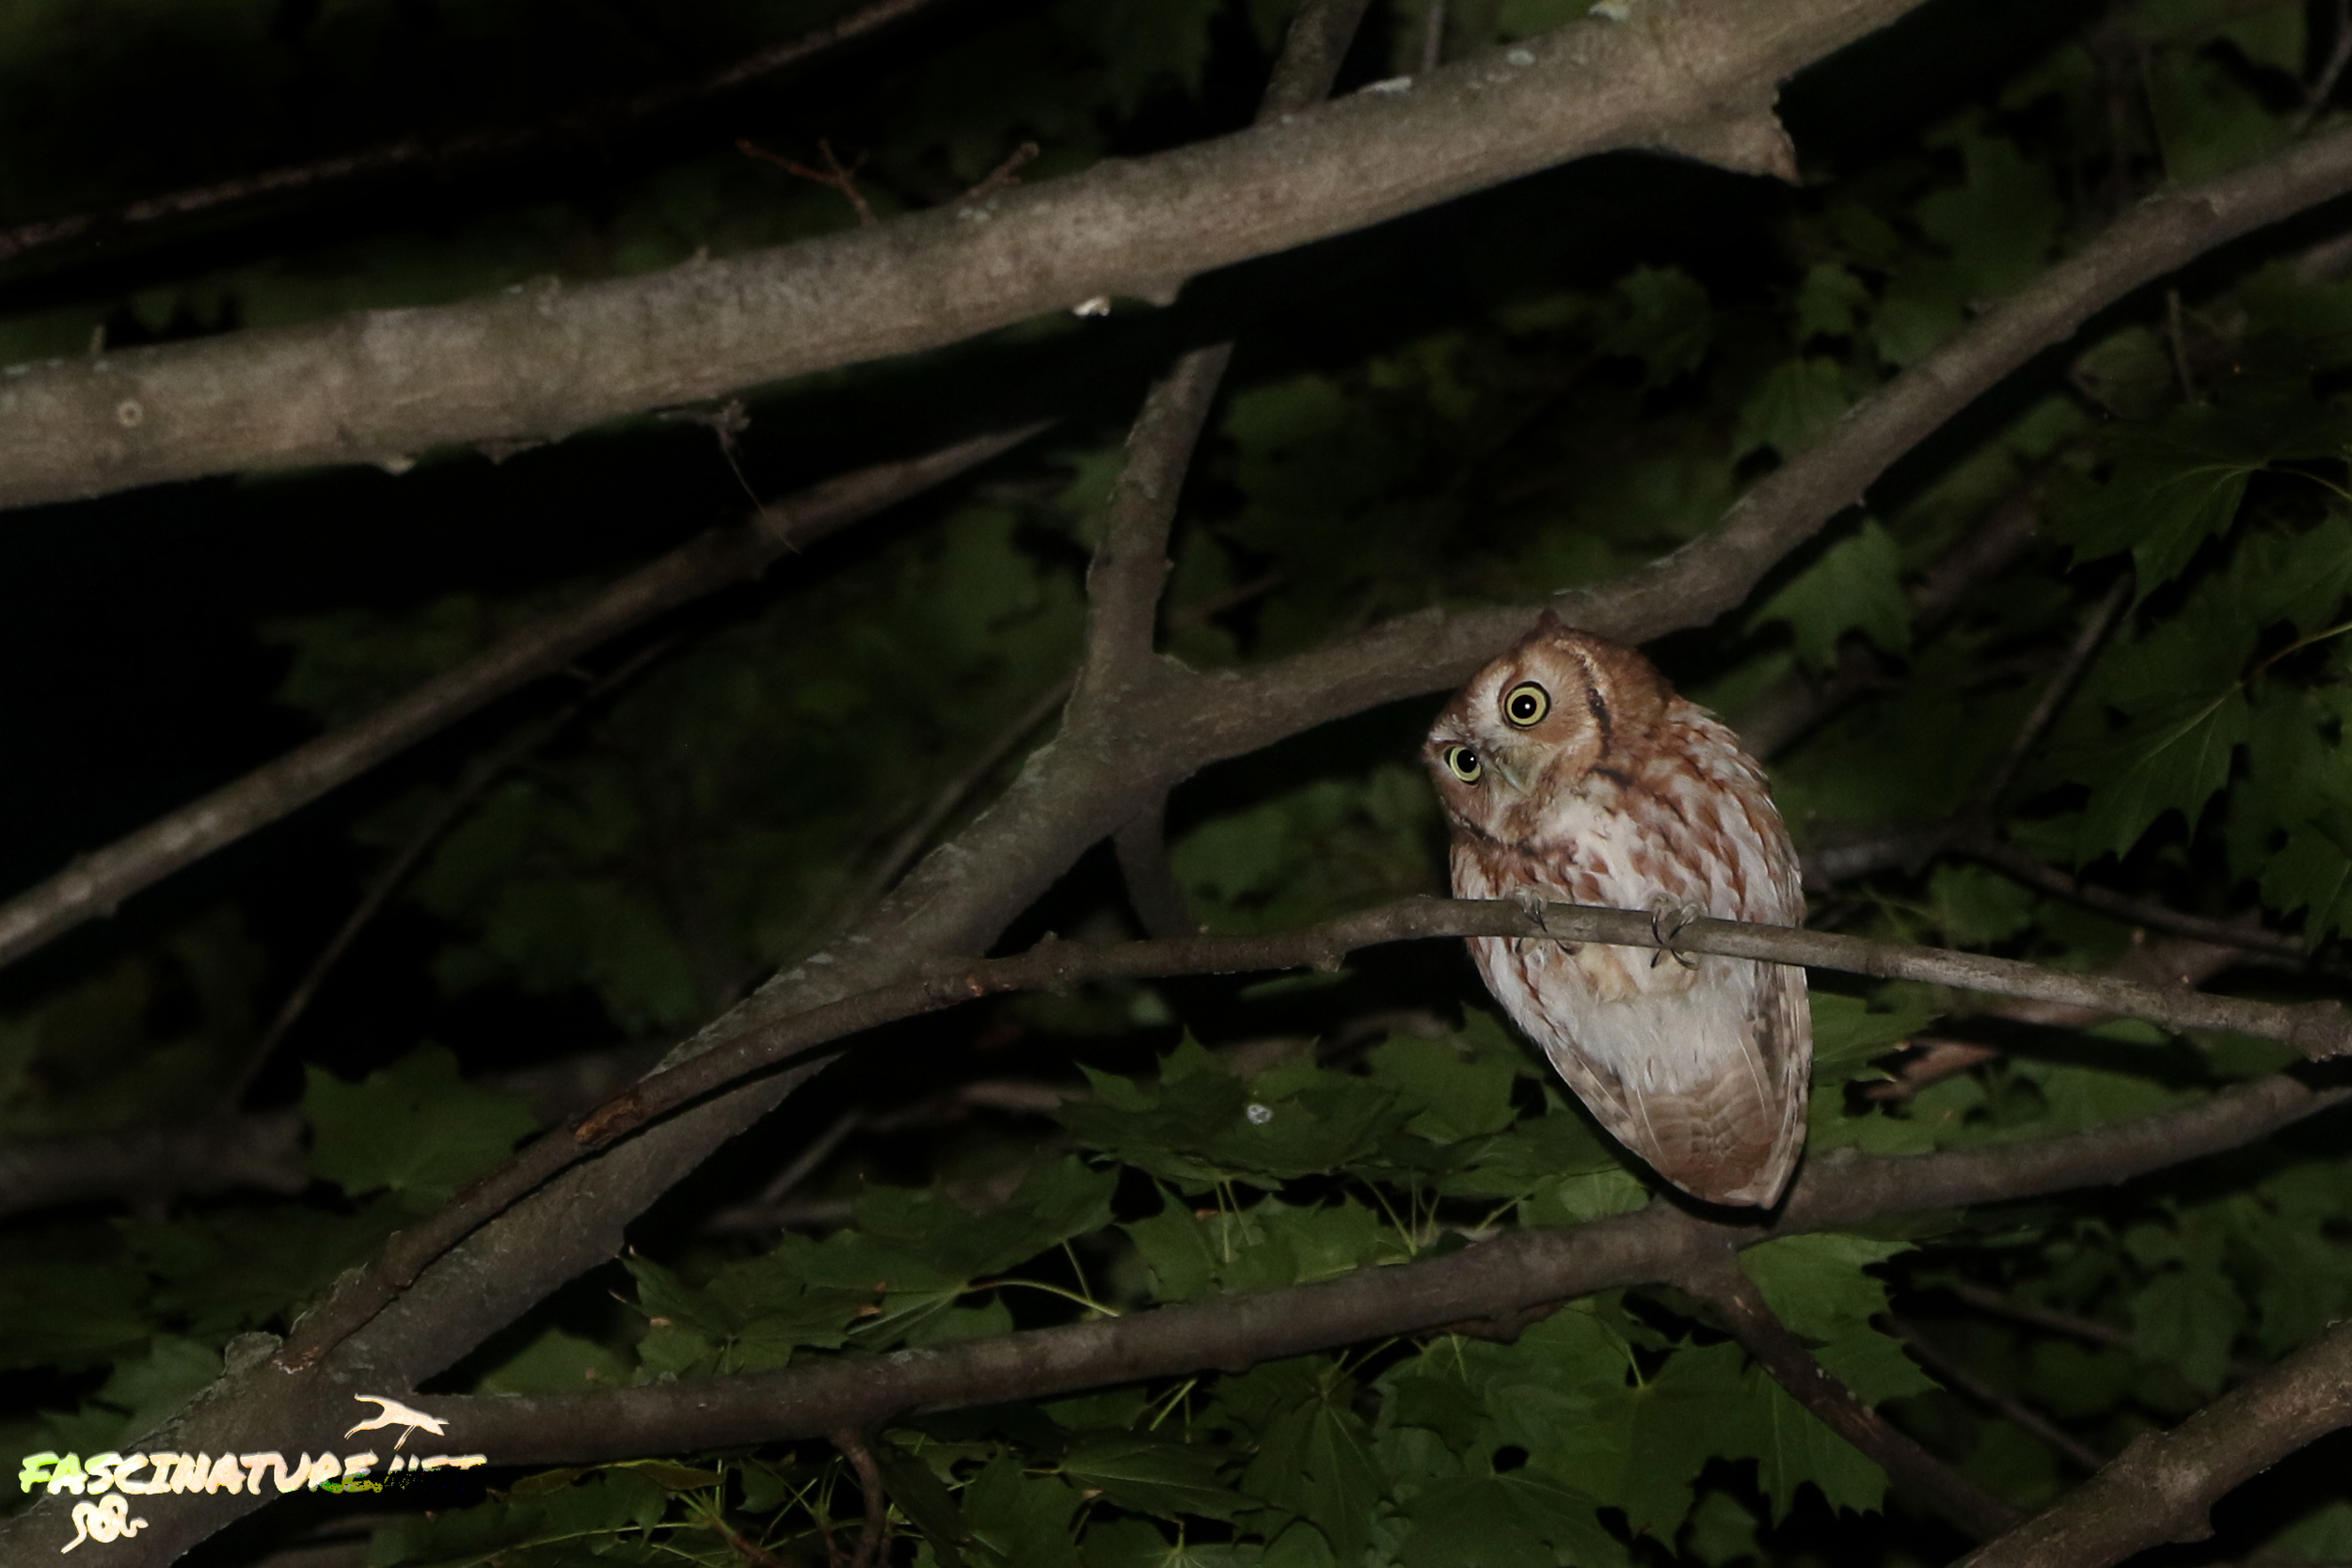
(1732, 1137)
(1783, 1033)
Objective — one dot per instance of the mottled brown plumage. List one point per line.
(1571, 771)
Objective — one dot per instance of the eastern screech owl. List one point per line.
(1571, 771)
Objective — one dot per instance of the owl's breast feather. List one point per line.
(1570, 873)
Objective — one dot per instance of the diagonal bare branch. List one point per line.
(94, 883)
(1712, 573)
(1129, 567)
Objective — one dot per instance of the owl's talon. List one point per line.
(1533, 905)
(1666, 922)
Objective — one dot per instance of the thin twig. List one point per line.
(1715, 1276)
(1957, 1374)
(873, 1537)
(93, 884)
(2072, 1324)
(1928, 1060)
(466, 146)
(837, 175)
(1002, 177)
(726, 423)
(1911, 847)
(459, 800)
(1826, 866)
(743, 1547)
(2178, 335)
(804, 1164)
(2338, 55)
(2139, 911)
(1433, 36)
(2055, 691)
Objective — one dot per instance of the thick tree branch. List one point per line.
(1715, 1277)
(2319, 1029)
(93, 884)
(2161, 1488)
(1691, 77)
(1523, 1273)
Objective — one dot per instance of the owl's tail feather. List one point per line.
(1724, 1140)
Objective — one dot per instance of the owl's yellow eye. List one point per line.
(1527, 705)
(1463, 764)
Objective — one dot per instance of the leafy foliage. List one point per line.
(1523, 428)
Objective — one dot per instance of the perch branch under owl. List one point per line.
(2319, 1030)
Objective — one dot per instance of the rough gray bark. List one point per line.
(1691, 77)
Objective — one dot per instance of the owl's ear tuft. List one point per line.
(1548, 620)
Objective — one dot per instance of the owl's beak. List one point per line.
(1506, 769)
